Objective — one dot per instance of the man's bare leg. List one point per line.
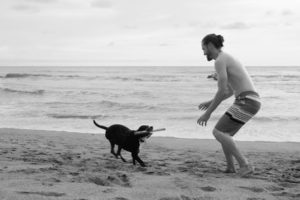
(229, 145)
(229, 161)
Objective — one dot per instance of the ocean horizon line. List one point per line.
(132, 66)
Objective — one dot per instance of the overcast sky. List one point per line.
(147, 32)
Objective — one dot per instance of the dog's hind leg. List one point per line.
(119, 153)
(135, 157)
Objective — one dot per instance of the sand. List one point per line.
(76, 166)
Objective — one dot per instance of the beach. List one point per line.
(36, 164)
(178, 74)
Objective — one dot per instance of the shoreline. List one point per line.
(163, 137)
(37, 164)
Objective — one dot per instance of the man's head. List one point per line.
(211, 45)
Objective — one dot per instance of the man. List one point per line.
(233, 79)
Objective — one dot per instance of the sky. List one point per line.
(147, 32)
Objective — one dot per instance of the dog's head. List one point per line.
(147, 132)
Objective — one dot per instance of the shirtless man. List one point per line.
(233, 79)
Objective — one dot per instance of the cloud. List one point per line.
(26, 8)
(236, 25)
(42, 1)
(111, 44)
(164, 44)
(286, 12)
(31, 6)
(130, 27)
(269, 13)
(101, 3)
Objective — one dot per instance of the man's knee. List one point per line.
(217, 133)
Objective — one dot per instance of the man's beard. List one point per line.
(208, 57)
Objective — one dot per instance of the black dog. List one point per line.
(126, 139)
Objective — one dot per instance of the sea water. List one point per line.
(69, 98)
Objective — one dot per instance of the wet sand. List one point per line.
(38, 165)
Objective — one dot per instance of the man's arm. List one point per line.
(222, 92)
(205, 105)
(229, 92)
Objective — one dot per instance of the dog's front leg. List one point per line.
(135, 157)
(119, 153)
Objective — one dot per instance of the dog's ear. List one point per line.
(150, 128)
(144, 132)
(143, 128)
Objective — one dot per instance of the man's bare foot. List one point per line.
(245, 171)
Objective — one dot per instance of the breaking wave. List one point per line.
(34, 92)
(24, 75)
(66, 116)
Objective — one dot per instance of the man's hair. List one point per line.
(216, 40)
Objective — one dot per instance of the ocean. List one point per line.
(69, 98)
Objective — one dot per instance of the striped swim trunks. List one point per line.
(245, 106)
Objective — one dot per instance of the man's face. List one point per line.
(206, 52)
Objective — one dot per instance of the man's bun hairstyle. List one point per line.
(216, 40)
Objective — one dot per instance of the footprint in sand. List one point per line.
(183, 169)
(47, 184)
(180, 183)
(287, 194)
(274, 188)
(156, 171)
(124, 178)
(253, 189)
(108, 190)
(295, 161)
(183, 197)
(117, 179)
(98, 181)
(48, 194)
(208, 189)
(170, 198)
(288, 184)
(3, 152)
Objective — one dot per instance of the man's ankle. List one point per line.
(244, 164)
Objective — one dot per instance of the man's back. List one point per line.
(238, 77)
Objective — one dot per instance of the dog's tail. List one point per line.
(103, 127)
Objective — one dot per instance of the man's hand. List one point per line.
(203, 119)
(204, 105)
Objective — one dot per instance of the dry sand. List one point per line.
(59, 165)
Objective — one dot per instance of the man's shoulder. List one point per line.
(225, 58)
(225, 55)
(221, 59)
